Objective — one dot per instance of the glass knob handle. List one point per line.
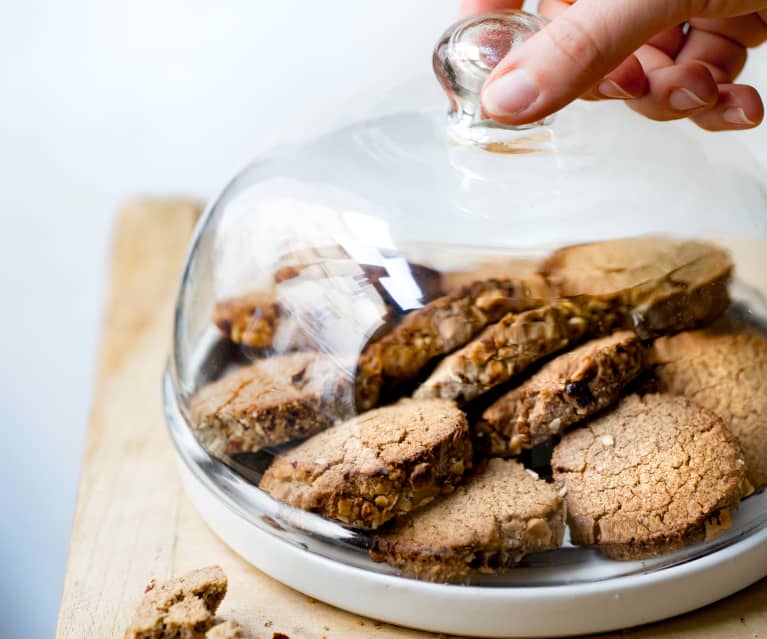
(465, 56)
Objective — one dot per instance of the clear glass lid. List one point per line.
(393, 343)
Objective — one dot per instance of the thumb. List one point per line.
(571, 54)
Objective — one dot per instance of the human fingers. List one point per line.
(571, 54)
(474, 7)
(677, 91)
(626, 82)
(725, 58)
(739, 107)
(669, 41)
(748, 31)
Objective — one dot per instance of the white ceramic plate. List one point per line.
(568, 592)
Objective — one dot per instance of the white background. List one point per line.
(101, 101)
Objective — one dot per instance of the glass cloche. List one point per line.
(479, 379)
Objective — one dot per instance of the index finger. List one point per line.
(473, 7)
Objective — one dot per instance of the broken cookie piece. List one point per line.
(501, 514)
(257, 320)
(179, 608)
(271, 401)
(393, 277)
(377, 465)
(226, 630)
(434, 330)
(665, 285)
(509, 347)
(723, 368)
(564, 391)
(653, 474)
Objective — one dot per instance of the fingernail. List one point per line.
(611, 89)
(736, 115)
(510, 94)
(685, 100)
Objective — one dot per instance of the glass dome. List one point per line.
(367, 318)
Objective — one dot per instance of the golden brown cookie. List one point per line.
(666, 285)
(434, 330)
(250, 320)
(501, 514)
(651, 475)
(390, 274)
(522, 269)
(723, 368)
(183, 607)
(510, 346)
(564, 391)
(377, 465)
(271, 401)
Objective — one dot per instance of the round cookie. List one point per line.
(501, 514)
(564, 391)
(666, 285)
(377, 465)
(653, 474)
(723, 368)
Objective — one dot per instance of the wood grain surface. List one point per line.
(133, 521)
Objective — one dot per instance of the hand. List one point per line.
(668, 59)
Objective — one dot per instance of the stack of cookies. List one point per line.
(623, 359)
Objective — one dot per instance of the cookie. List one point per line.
(522, 269)
(501, 514)
(564, 391)
(377, 465)
(398, 281)
(179, 608)
(666, 285)
(649, 476)
(226, 630)
(250, 319)
(723, 368)
(270, 402)
(509, 347)
(434, 330)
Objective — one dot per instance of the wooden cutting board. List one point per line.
(133, 521)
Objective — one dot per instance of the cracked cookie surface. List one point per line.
(666, 285)
(564, 391)
(377, 465)
(651, 475)
(434, 330)
(510, 346)
(723, 368)
(487, 525)
(271, 401)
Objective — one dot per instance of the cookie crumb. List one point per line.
(607, 440)
(226, 630)
(180, 606)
